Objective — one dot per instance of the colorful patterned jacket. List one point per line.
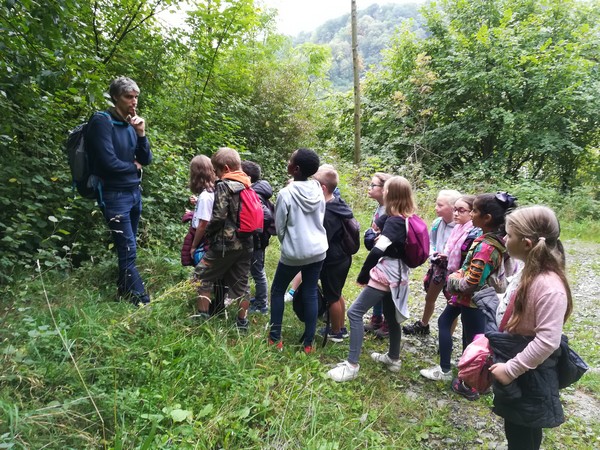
(484, 259)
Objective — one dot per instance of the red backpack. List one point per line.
(416, 247)
(250, 216)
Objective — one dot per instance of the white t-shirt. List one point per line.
(204, 208)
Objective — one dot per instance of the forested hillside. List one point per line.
(377, 24)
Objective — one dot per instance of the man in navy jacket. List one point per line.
(118, 147)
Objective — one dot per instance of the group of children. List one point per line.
(474, 242)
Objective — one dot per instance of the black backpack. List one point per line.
(87, 185)
(261, 241)
(350, 236)
(322, 309)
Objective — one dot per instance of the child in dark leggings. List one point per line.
(483, 260)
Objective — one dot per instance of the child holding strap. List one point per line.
(377, 323)
(385, 277)
(434, 282)
(539, 307)
(484, 259)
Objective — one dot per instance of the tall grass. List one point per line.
(159, 380)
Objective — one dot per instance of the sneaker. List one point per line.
(383, 332)
(416, 328)
(436, 373)
(333, 337)
(344, 371)
(336, 337)
(308, 349)
(461, 388)
(241, 324)
(393, 365)
(344, 332)
(374, 324)
(257, 309)
(278, 345)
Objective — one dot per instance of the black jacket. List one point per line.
(531, 400)
(265, 192)
(335, 211)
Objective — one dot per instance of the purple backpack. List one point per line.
(416, 247)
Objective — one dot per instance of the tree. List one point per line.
(505, 85)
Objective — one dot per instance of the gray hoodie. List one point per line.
(299, 214)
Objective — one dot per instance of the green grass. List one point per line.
(160, 381)
(149, 378)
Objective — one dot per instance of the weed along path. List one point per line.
(106, 375)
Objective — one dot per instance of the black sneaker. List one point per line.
(416, 328)
(461, 388)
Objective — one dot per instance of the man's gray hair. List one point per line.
(122, 85)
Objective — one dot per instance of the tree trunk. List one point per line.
(356, 85)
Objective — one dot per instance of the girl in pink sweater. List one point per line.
(538, 307)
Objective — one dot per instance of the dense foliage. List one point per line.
(493, 91)
(224, 79)
(505, 88)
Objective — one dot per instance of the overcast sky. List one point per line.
(306, 15)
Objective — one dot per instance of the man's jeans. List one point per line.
(122, 210)
(283, 276)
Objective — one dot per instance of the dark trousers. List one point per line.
(122, 211)
(283, 276)
(473, 322)
(522, 438)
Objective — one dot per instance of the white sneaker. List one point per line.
(288, 297)
(436, 374)
(344, 371)
(393, 365)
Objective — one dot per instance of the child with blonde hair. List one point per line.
(441, 228)
(377, 323)
(384, 276)
(537, 308)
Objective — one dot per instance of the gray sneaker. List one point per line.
(393, 365)
(436, 373)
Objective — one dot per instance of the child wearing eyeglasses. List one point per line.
(377, 324)
(483, 262)
(436, 275)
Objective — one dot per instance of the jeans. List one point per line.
(257, 270)
(473, 322)
(122, 211)
(368, 298)
(283, 276)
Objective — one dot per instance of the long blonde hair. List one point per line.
(540, 225)
(398, 197)
(202, 175)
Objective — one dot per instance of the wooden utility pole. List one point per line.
(356, 85)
